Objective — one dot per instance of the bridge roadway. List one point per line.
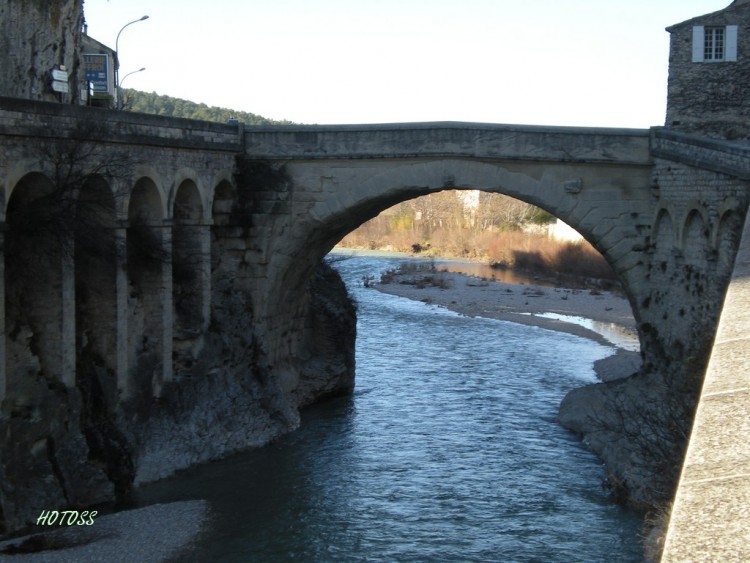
(662, 206)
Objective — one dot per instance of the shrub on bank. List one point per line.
(535, 253)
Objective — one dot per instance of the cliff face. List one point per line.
(37, 36)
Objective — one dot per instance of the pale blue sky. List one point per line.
(549, 62)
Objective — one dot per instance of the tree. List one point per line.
(154, 103)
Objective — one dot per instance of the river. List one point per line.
(448, 450)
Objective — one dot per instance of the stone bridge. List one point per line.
(159, 272)
(653, 202)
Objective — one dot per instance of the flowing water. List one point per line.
(447, 451)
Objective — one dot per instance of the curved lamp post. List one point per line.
(117, 60)
(123, 80)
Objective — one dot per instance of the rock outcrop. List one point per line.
(37, 36)
(638, 426)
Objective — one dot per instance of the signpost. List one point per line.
(60, 81)
(96, 70)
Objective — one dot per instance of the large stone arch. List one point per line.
(333, 198)
(595, 214)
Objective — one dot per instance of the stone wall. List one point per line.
(37, 36)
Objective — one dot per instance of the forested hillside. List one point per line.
(157, 104)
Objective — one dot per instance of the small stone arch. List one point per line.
(34, 257)
(223, 201)
(187, 203)
(726, 237)
(145, 205)
(664, 230)
(148, 257)
(158, 193)
(222, 221)
(182, 176)
(96, 253)
(190, 277)
(23, 168)
(695, 235)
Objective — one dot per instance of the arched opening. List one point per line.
(439, 354)
(491, 228)
(147, 257)
(695, 239)
(189, 272)
(663, 233)
(222, 217)
(34, 251)
(318, 227)
(727, 240)
(96, 290)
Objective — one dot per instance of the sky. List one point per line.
(598, 63)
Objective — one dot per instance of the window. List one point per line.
(714, 43)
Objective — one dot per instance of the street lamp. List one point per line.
(117, 60)
(123, 80)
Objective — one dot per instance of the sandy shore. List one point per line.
(599, 315)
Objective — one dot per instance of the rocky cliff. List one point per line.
(37, 36)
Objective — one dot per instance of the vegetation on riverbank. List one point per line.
(498, 230)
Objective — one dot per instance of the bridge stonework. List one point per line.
(337, 178)
(162, 297)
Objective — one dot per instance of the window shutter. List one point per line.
(698, 43)
(731, 46)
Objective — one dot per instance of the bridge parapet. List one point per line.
(727, 157)
(45, 120)
(453, 139)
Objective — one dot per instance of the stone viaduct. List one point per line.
(162, 301)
